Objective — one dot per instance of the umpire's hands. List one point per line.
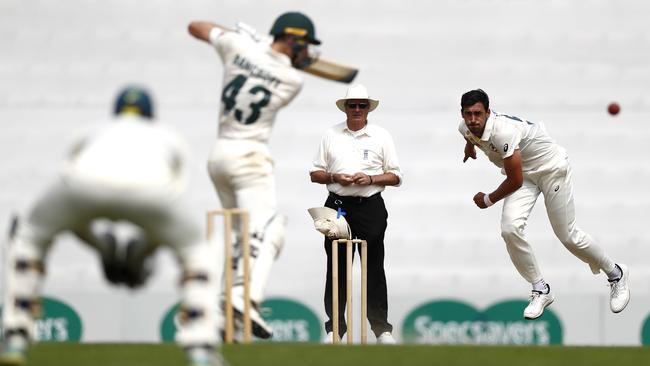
(343, 179)
(361, 179)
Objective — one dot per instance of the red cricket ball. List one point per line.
(613, 108)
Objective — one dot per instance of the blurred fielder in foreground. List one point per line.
(132, 170)
(533, 163)
(260, 78)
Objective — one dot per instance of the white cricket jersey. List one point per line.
(504, 134)
(369, 150)
(257, 82)
(130, 153)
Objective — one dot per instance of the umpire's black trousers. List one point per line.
(367, 218)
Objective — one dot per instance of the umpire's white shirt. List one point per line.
(369, 150)
(504, 134)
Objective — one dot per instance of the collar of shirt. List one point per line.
(279, 56)
(358, 133)
(489, 126)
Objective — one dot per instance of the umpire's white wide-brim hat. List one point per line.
(357, 91)
(326, 222)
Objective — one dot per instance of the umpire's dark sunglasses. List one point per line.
(355, 105)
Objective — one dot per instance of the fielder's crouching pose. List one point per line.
(132, 170)
(533, 163)
(125, 251)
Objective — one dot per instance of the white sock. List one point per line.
(541, 286)
(615, 274)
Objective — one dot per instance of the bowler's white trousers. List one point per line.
(557, 187)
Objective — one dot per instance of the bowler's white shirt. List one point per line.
(369, 150)
(504, 134)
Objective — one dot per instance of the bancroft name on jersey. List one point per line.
(256, 71)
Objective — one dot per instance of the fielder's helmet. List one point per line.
(296, 24)
(134, 100)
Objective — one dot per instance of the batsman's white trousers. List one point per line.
(242, 173)
(70, 205)
(557, 187)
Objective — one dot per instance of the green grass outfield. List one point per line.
(288, 354)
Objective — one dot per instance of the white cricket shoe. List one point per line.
(14, 350)
(538, 301)
(260, 328)
(386, 338)
(619, 295)
(329, 338)
(204, 356)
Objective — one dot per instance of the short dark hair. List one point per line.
(475, 96)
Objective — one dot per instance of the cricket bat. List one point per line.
(319, 67)
(332, 70)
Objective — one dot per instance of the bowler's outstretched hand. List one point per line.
(470, 152)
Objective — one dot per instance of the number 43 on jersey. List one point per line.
(229, 99)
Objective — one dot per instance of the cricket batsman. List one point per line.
(260, 77)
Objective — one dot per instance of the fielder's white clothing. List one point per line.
(258, 81)
(546, 170)
(131, 170)
(370, 150)
(131, 154)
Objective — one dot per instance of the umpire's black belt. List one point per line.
(355, 199)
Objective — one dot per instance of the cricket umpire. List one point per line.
(357, 160)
